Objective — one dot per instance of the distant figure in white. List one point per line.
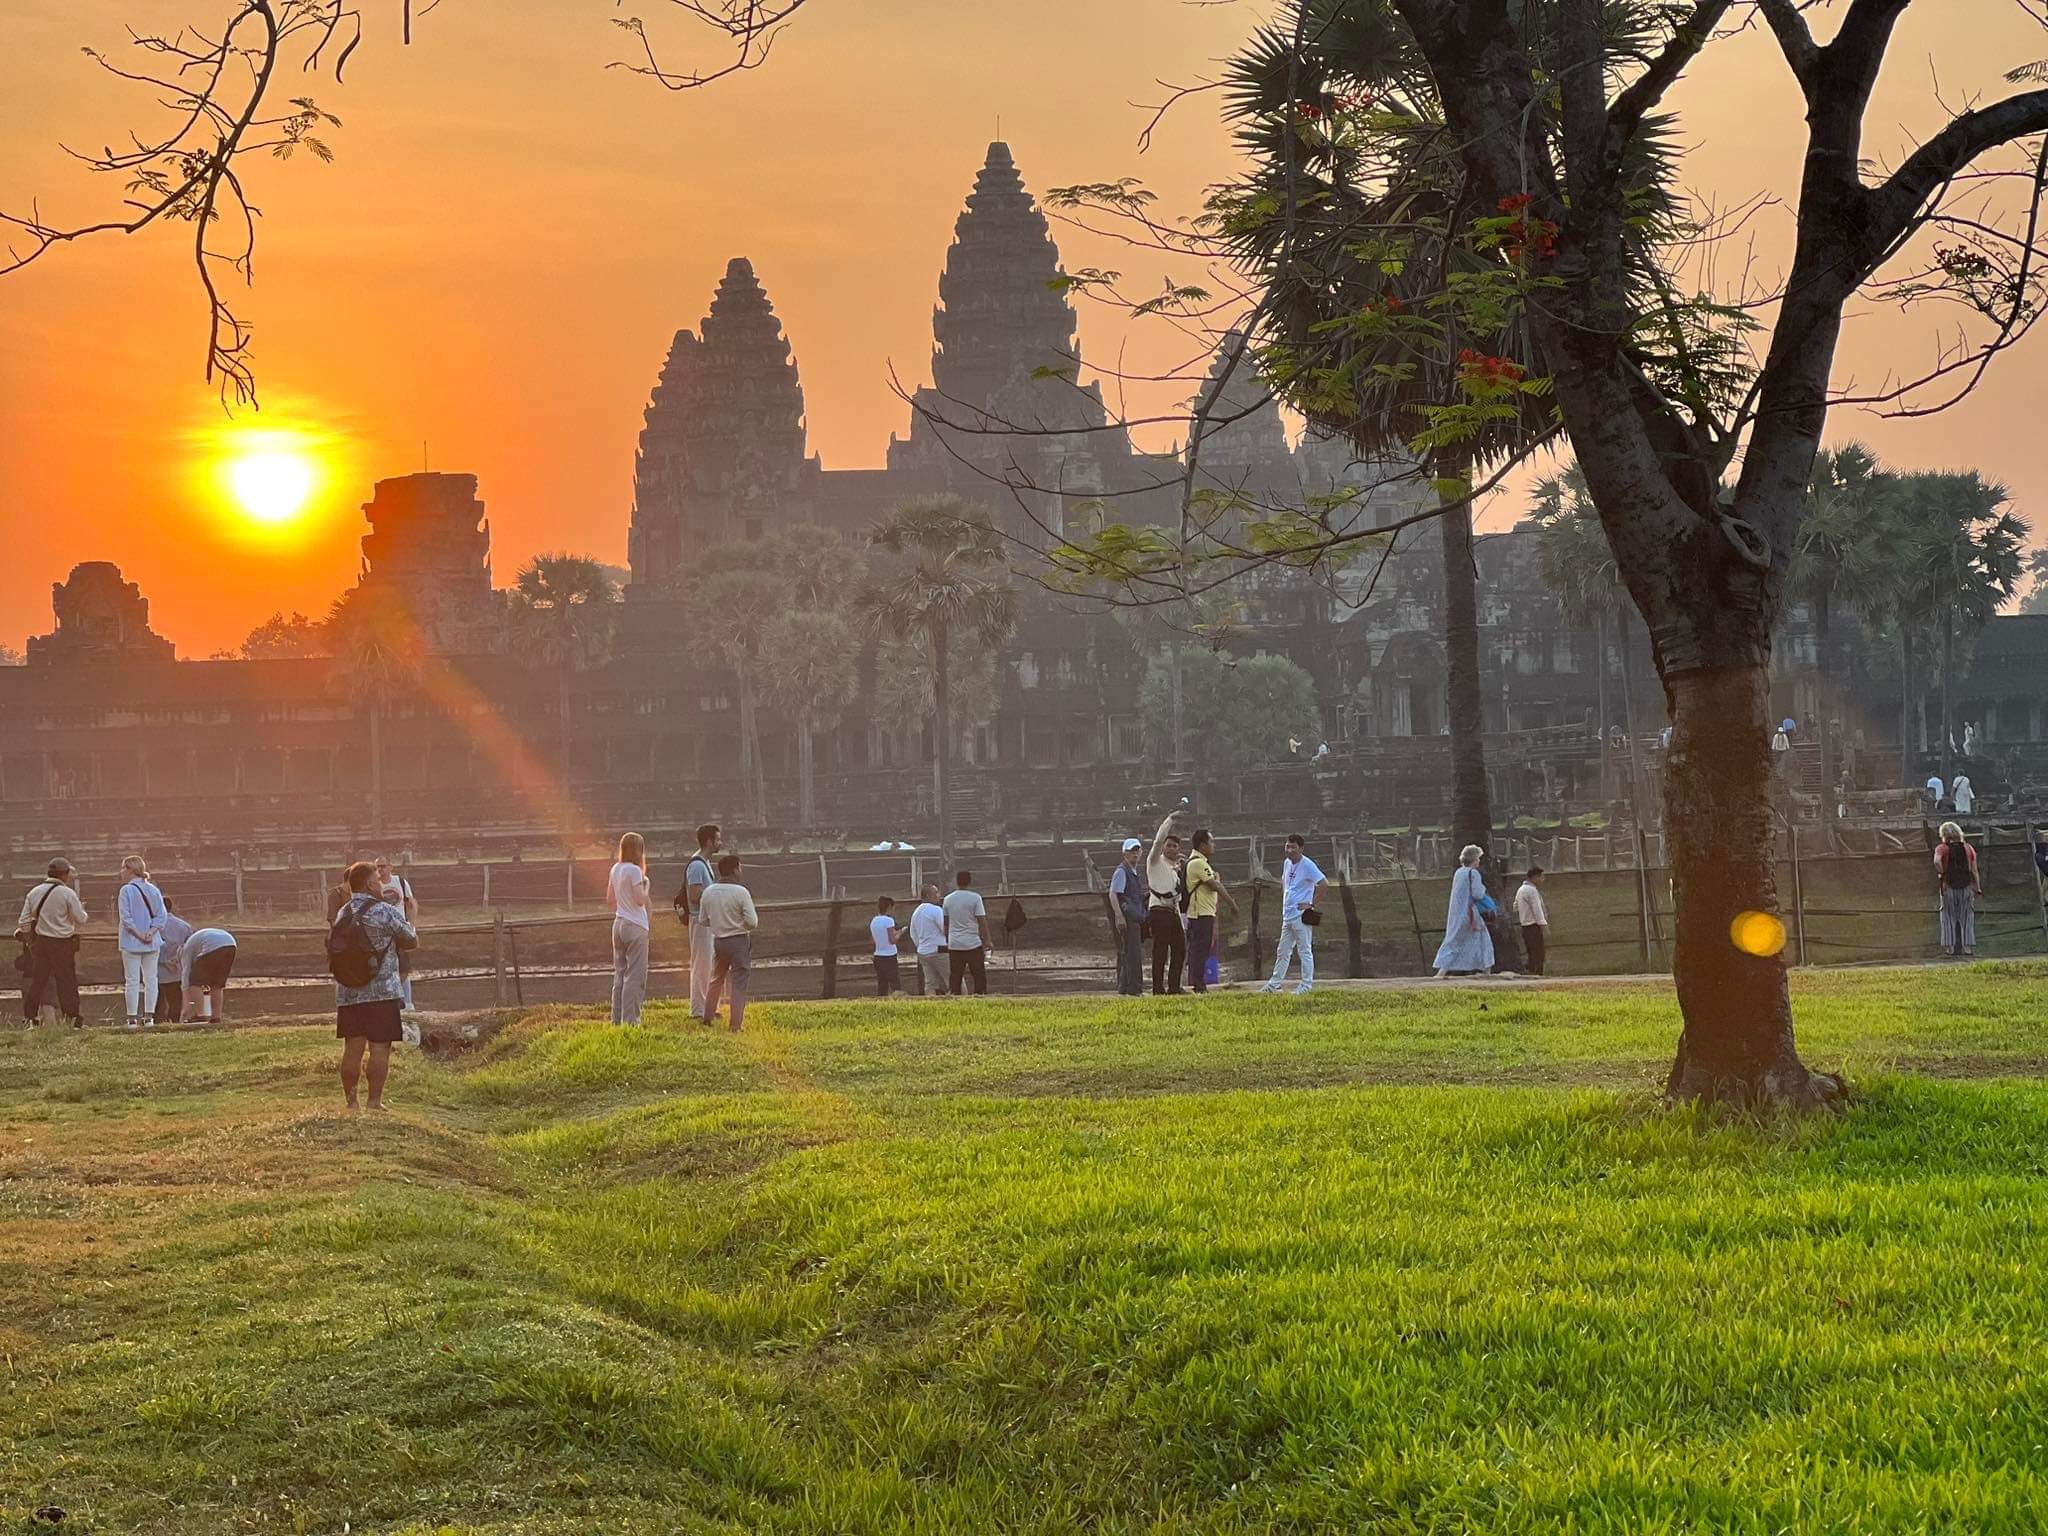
(1300, 880)
(631, 926)
(1467, 946)
(141, 909)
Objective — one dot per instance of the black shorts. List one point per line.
(213, 968)
(379, 1022)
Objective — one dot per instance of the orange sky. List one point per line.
(511, 235)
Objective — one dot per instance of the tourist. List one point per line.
(928, 936)
(727, 908)
(1300, 881)
(1958, 885)
(207, 959)
(968, 944)
(631, 928)
(397, 890)
(51, 915)
(888, 969)
(1163, 913)
(1534, 918)
(1205, 889)
(140, 906)
(1127, 903)
(170, 993)
(698, 876)
(1963, 795)
(368, 1015)
(1467, 946)
(1937, 791)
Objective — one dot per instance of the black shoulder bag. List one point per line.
(23, 964)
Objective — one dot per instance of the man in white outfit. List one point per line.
(1299, 882)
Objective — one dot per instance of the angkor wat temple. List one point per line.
(105, 734)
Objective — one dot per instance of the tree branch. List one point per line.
(1647, 90)
(1895, 206)
(1795, 41)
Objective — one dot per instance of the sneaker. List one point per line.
(1306, 986)
(1271, 986)
(149, 1023)
(131, 1025)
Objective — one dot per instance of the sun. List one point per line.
(270, 476)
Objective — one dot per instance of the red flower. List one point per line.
(1516, 203)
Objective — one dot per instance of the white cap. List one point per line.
(1130, 843)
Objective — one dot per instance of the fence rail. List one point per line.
(1837, 909)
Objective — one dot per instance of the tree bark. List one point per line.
(806, 774)
(1737, 1045)
(1905, 703)
(942, 745)
(752, 768)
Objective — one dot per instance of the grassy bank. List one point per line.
(1399, 1261)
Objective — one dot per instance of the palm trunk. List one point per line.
(1905, 704)
(1737, 1044)
(1471, 810)
(942, 747)
(1600, 677)
(1628, 724)
(752, 768)
(806, 774)
(1948, 677)
(562, 728)
(377, 768)
(1824, 699)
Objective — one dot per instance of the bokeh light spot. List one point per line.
(1757, 933)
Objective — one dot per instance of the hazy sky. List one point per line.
(510, 236)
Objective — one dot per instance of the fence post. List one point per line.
(238, 884)
(487, 886)
(1351, 927)
(518, 985)
(1003, 873)
(824, 880)
(917, 877)
(570, 884)
(1798, 899)
(831, 985)
(498, 957)
(1252, 931)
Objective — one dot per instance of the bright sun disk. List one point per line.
(271, 478)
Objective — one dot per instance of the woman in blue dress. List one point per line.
(1467, 945)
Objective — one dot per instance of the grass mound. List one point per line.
(1406, 1262)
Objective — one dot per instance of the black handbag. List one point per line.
(1311, 917)
(24, 962)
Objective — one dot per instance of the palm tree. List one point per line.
(377, 652)
(1352, 341)
(953, 584)
(1580, 568)
(564, 615)
(1831, 564)
(1972, 555)
(809, 668)
(742, 588)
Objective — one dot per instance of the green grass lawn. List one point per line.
(1430, 1261)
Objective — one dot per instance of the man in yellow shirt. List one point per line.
(1205, 890)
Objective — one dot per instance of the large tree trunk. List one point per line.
(942, 745)
(1628, 725)
(752, 768)
(1737, 1045)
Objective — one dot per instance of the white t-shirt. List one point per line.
(928, 928)
(883, 927)
(1529, 907)
(962, 908)
(1298, 881)
(628, 892)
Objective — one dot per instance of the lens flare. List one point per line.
(1757, 933)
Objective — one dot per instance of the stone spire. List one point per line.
(1241, 425)
(1000, 313)
(723, 445)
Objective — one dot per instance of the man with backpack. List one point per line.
(363, 946)
(699, 875)
(51, 916)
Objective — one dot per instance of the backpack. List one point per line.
(1180, 886)
(1956, 873)
(352, 957)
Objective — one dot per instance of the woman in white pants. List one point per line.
(141, 907)
(630, 929)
